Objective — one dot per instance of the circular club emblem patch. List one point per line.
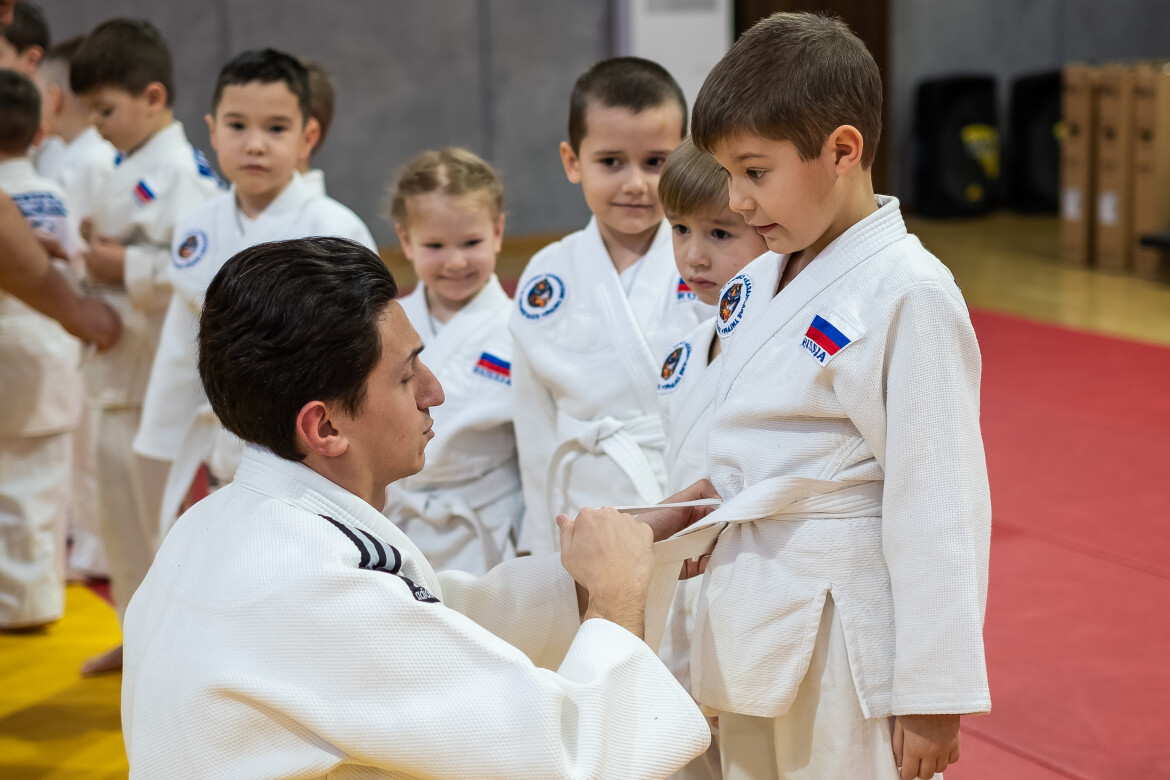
(191, 249)
(674, 367)
(542, 296)
(732, 302)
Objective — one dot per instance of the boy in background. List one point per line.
(322, 96)
(596, 310)
(839, 629)
(122, 71)
(41, 391)
(260, 129)
(24, 41)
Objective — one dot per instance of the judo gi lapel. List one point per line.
(299, 486)
(700, 389)
(460, 330)
(852, 248)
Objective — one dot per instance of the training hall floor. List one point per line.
(1076, 420)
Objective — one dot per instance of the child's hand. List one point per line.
(925, 744)
(86, 229)
(52, 245)
(667, 522)
(105, 260)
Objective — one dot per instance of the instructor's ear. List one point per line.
(316, 433)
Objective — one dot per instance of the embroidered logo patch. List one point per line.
(191, 249)
(494, 368)
(732, 303)
(143, 193)
(674, 367)
(541, 297)
(684, 293)
(823, 339)
(204, 169)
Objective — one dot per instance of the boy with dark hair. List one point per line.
(597, 309)
(839, 630)
(322, 97)
(122, 72)
(24, 41)
(287, 598)
(41, 391)
(260, 129)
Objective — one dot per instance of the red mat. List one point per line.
(1077, 429)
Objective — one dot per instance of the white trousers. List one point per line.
(87, 554)
(129, 491)
(824, 736)
(35, 475)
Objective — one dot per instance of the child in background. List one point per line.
(23, 43)
(260, 129)
(464, 508)
(322, 96)
(122, 71)
(41, 391)
(839, 632)
(597, 310)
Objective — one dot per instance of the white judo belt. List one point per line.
(462, 504)
(779, 498)
(620, 440)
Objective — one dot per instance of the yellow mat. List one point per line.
(55, 725)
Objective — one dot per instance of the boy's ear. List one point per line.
(572, 163)
(846, 146)
(309, 139)
(498, 236)
(316, 433)
(32, 57)
(404, 240)
(210, 120)
(42, 132)
(156, 95)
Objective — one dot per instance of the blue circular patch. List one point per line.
(191, 249)
(732, 302)
(674, 367)
(541, 297)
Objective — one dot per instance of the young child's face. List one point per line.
(711, 248)
(452, 240)
(619, 162)
(259, 134)
(123, 119)
(790, 202)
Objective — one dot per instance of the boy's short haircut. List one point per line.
(20, 112)
(792, 77)
(28, 28)
(286, 323)
(266, 66)
(622, 82)
(692, 183)
(451, 171)
(127, 54)
(64, 51)
(322, 97)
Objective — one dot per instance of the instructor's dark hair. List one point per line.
(265, 66)
(622, 82)
(127, 54)
(286, 323)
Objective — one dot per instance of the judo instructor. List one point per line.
(288, 629)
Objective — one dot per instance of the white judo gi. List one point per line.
(142, 201)
(465, 506)
(82, 168)
(587, 356)
(41, 399)
(846, 441)
(288, 629)
(178, 425)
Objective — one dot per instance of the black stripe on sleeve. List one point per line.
(365, 562)
(381, 564)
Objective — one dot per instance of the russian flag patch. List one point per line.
(823, 339)
(494, 368)
(143, 193)
(684, 293)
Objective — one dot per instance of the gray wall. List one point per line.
(1009, 38)
(491, 75)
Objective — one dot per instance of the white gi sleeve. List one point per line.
(420, 689)
(535, 422)
(936, 515)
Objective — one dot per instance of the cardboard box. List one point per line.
(1077, 162)
(1114, 202)
(1151, 161)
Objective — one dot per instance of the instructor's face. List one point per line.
(393, 426)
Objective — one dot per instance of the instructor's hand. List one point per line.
(609, 555)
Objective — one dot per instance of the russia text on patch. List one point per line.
(823, 339)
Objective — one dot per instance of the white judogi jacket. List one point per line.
(177, 423)
(287, 629)
(686, 392)
(463, 508)
(144, 198)
(587, 357)
(40, 385)
(846, 440)
(81, 167)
